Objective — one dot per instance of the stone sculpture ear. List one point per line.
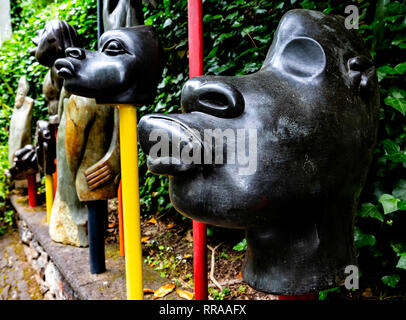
(362, 74)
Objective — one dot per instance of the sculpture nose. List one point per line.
(76, 53)
(213, 97)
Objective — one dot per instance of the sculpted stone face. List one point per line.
(125, 70)
(52, 41)
(313, 108)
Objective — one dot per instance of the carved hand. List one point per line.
(99, 174)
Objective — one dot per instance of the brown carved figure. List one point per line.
(92, 159)
(22, 162)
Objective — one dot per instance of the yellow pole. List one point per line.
(49, 194)
(131, 201)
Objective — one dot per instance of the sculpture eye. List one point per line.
(303, 57)
(113, 48)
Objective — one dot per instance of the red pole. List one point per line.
(55, 174)
(120, 220)
(32, 190)
(195, 34)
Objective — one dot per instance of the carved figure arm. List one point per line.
(109, 166)
(78, 120)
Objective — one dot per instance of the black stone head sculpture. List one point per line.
(45, 147)
(52, 41)
(25, 163)
(312, 114)
(126, 69)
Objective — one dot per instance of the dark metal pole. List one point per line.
(97, 211)
(99, 21)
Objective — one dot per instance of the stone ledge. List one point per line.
(73, 262)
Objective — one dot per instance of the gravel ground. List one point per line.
(17, 278)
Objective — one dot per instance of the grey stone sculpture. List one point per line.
(20, 124)
(68, 216)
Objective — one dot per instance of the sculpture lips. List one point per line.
(65, 68)
(176, 142)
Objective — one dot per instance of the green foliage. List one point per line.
(324, 294)
(241, 246)
(28, 16)
(391, 280)
(6, 221)
(6, 216)
(219, 295)
(380, 221)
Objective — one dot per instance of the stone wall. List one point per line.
(52, 283)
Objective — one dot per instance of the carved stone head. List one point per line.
(52, 41)
(126, 69)
(306, 123)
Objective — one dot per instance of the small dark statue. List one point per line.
(24, 163)
(45, 147)
(314, 106)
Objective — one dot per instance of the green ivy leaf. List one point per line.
(391, 280)
(390, 147)
(396, 100)
(400, 190)
(402, 205)
(402, 261)
(362, 239)
(370, 210)
(241, 246)
(399, 247)
(401, 67)
(389, 203)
